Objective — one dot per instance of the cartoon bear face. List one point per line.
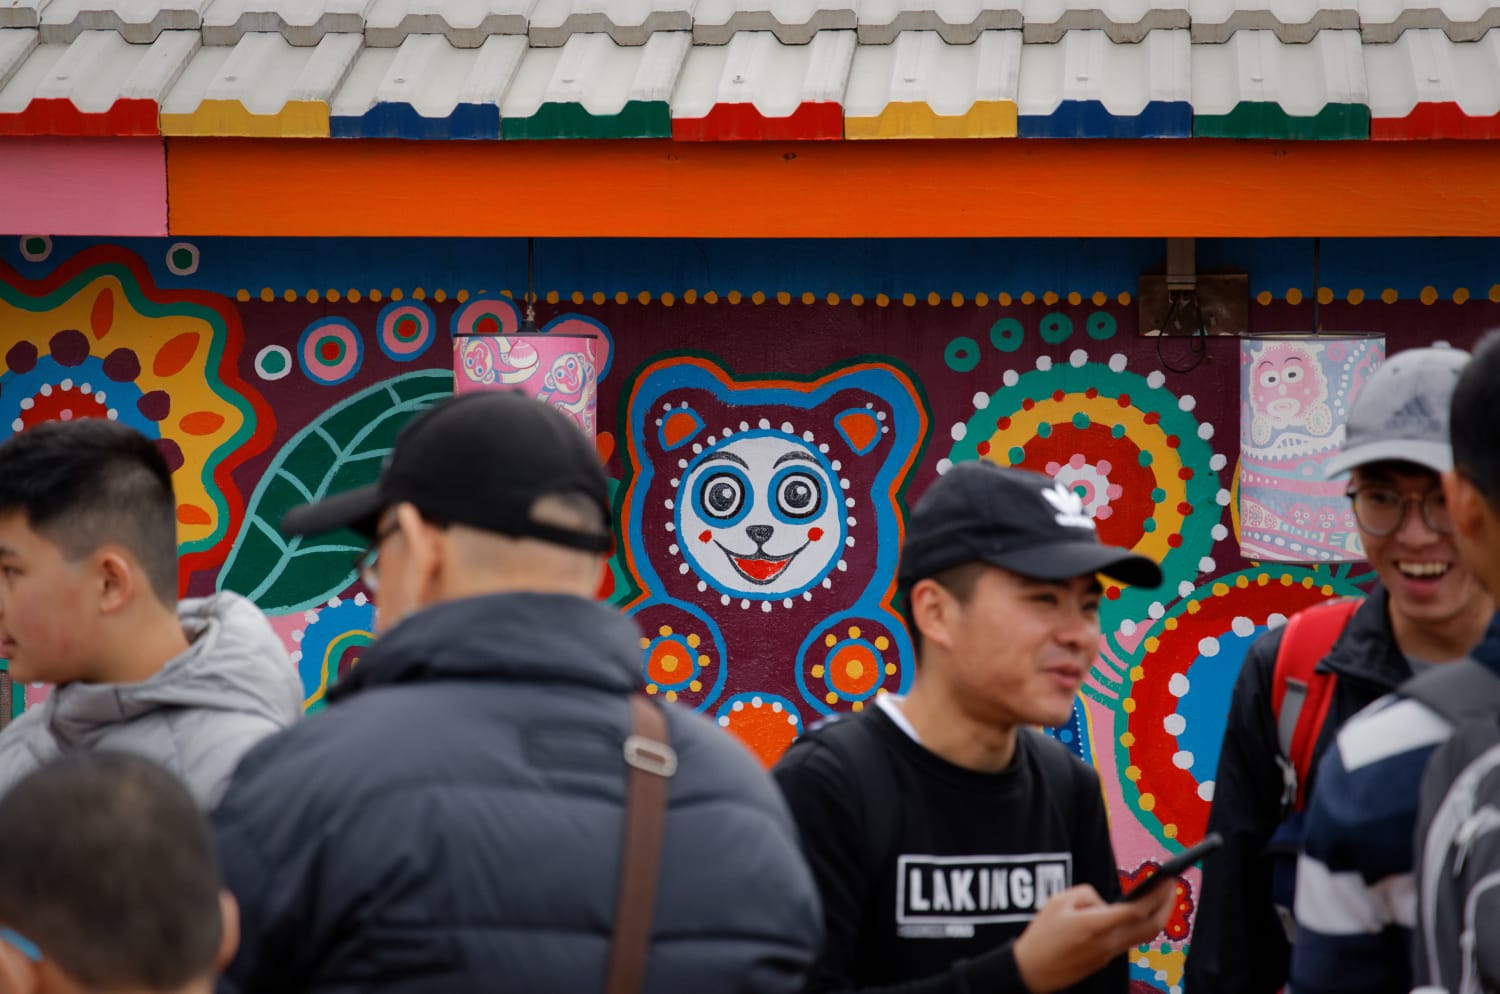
(761, 522)
(761, 515)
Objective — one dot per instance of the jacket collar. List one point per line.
(1367, 649)
(511, 636)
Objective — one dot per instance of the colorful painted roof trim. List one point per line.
(923, 87)
(756, 88)
(1253, 86)
(427, 89)
(594, 88)
(1085, 87)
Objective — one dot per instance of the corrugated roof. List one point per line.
(593, 87)
(1428, 86)
(757, 88)
(751, 69)
(921, 86)
(1257, 86)
(427, 89)
(1086, 86)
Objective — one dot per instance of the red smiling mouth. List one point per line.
(760, 570)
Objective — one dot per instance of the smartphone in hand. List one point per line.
(1174, 867)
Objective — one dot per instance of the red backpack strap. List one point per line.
(1301, 693)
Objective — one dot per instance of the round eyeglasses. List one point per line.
(1382, 510)
(365, 565)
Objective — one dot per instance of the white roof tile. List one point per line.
(1463, 20)
(16, 46)
(627, 22)
(1293, 21)
(959, 22)
(430, 75)
(300, 22)
(1122, 20)
(264, 72)
(755, 68)
(595, 72)
(138, 21)
(1256, 67)
(465, 23)
(920, 67)
(97, 69)
(21, 13)
(793, 22)
(1425, 66)
(1088, 66)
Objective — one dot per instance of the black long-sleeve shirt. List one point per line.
(966, 860)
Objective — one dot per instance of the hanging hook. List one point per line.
(528, 322)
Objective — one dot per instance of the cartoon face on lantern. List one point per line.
(761, 515)
(1288, 389)
(569, 374)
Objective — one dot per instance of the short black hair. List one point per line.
(109, 867)
(84, 483)
(959, 581)
(1473, 424)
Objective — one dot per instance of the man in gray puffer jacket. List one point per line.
(88, 601)
(453, 821)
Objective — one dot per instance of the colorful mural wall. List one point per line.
(764, 448)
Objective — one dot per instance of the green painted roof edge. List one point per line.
(1268, 120)
(637, 119)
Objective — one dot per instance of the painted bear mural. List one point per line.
(762, 522)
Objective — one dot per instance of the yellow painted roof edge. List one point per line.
(230, 118)
(909, 119)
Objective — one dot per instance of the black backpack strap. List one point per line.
(860, 751)
(1056, 761)
(1457, 691)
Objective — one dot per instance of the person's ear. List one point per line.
(117, 577)
(934, 610)
(425, 552)
(18, 975)
(229, 934)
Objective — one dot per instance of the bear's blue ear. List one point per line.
(860, 428)
(679, 426)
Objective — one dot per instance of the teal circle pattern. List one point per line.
(1056, 328)
(1101, 326)
(1007, 334)
(962, 354)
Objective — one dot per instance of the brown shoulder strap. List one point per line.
(651, 762)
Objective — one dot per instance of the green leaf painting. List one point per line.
(341, 450)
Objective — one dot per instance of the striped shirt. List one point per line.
(1356, 897)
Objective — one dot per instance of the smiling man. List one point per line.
(956, 847)
(1426, 610)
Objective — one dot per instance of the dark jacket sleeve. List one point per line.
(1239, 945)
(827, 816)
(274, 852)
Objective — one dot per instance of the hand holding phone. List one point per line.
(1174, 867)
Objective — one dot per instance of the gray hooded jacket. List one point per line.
(196, 716)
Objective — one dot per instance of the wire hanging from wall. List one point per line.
(1317, 287)
(528, 319)
(1197, 339)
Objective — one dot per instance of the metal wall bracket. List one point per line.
(1182, 301)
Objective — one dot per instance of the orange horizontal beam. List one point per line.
(918, 188)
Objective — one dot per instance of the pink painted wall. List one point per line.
(83, 186)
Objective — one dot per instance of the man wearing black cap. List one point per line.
(956, 847)
(453, 821)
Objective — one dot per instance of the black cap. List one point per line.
(1024, 522)
(481, 460)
